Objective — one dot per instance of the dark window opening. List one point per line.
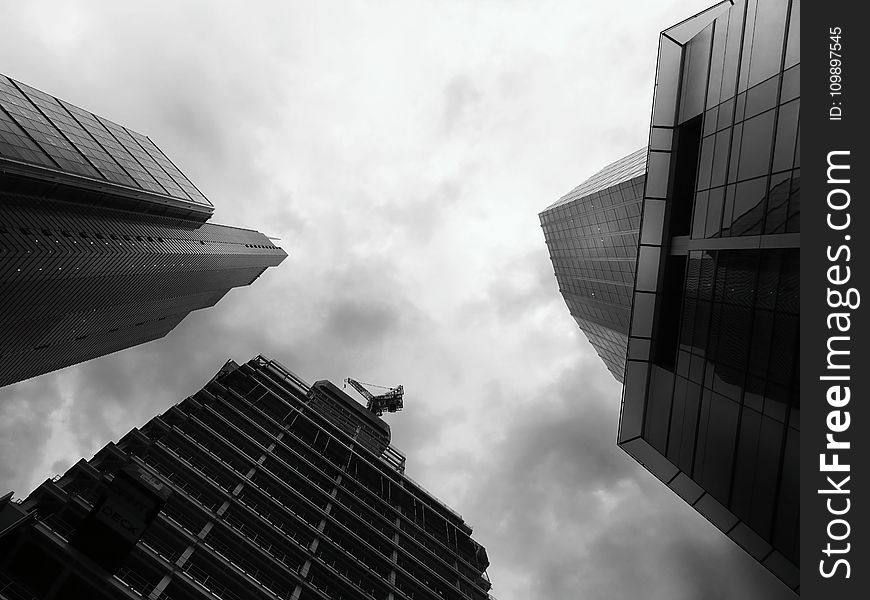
(684, 175)
(666, 340)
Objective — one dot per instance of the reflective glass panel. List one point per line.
(111, 145)
(762, 97)
(749, 208)
(717, 434)
(777, 203)
(767, 40)
(732, 50)
(699, 217)
(17, 145)
(65, 122)
(791, 84)
(720, 158)
(717, 57)
(793, 49)
(40, 130)
(786, 136)
(143, 158)
(714, 212)
(756, 145)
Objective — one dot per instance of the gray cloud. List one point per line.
(24, 417)
(461, 97)
(360, 321)
(566, 505)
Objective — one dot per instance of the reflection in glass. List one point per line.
(699, 218)
(711, 118)
(714, 451)
(749, 209)
(740, 107)
(762, 97)
(767, 41)
(793, 49)
(714, 212)
(726, 114)
(705, 162)
(720, 30)
(786, 136)
(732, 50)
(794, 203)
(778, 204)
(658, 408)
(720, 158)
(791, 84)
(756, 145)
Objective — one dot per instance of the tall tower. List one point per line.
(103, 241)
(711, 398)
(591, 234)
(257, 486)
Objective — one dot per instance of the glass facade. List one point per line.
(592, 236)
(711, 397)
(270, 491)
(47, 135)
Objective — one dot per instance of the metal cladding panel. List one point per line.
(76, 284)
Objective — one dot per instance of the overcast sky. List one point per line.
(401, 151)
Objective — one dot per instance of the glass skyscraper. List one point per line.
(257, 486)
(700, 322)
(103, 241)
(591, 234)
(711, 397)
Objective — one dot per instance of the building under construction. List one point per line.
(257, 486)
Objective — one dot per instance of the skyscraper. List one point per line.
(591, 233)
(103, 241)
(257, 486)
(702, 318)
(711, 398)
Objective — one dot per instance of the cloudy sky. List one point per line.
(401, 150)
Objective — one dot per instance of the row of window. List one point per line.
(115, 237)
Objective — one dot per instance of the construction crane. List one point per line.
(389, 401)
